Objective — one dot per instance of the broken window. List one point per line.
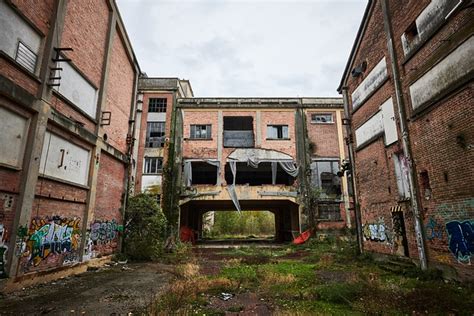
(238, 131)
(155, 134)
(277, 132)
(324, 176)
(322, 118)
(425, 184)
(257, 176)
(153, 165)
(412, 31)
(157, 105)
(329, 211)
(200, 132)
(401, 172)
(204, 173)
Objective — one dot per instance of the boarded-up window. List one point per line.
(64, 160)
(401, 172)
(17, 38)
(13, 133)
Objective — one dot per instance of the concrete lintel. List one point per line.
(278, 193)
(16, 93)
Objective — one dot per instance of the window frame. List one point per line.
(161, 143)
(280, 128)
(150, 163)
(159, 106)
(313, 121)
(193, 129)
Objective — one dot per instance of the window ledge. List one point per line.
(330, 220)
(278, 139)
(198, 139)
(323, 123)
(153, 174)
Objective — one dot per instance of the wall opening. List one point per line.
(238, 132)
(204, 173)
(235, 225)
(257, 176)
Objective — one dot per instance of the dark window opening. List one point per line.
(425, 184)
(238, 132)
(157, 105)
(257, 176)
(153, 165)
(324, 176)
(155, 134)
(277, 132)
(200, 132)
(329, 211)
(203, 173)
(412, 31)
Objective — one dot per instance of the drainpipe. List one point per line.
(405, 137)
(355, 194)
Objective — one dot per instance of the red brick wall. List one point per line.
(108, 204)
(143, 126)
(120, 88)
(85, 30)
(11, 71)
(279, 118)
(38, 12)
(323, 136)
(67, 110)
(193, 148)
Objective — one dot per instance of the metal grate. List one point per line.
(26, 57)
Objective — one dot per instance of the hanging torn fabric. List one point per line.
(188, 173)
(233, 196)
(274, 172)
(289, 167)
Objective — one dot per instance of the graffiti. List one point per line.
(52, 236)
(461, 240)
(103, 232)
(454, 211)
(3, 251)
(375, 231)
(89, 252)
(434, 230)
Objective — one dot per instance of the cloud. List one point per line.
(245, 48)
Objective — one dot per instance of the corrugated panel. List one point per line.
(238, 139)
(26, 57)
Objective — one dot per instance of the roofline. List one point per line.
(256, 102)
(357, 41)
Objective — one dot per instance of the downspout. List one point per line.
(405, 137)
(355, 194)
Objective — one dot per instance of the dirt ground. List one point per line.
(112, 290)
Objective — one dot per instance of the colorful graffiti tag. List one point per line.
(434, 230)
(461, 240)
(3, 251)
(376, 231)
(52, 236)
(103, 232)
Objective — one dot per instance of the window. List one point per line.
(238, 132)
(322, 118)
(200, 132)
(324, 176)
(157, 105)
(26, 57)
(153, 165)
(277, 132)
(155, 134)
(329, 211)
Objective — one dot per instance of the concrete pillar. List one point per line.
(342, 156)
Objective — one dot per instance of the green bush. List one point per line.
(145, 229)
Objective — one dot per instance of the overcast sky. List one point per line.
(245, 48)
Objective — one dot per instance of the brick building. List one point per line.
(260, 154)
(408, 93)
(68, 78)
(156, 103)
